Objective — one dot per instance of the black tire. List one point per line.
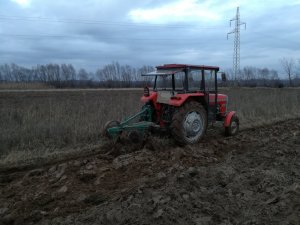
(108, 125)
(233, 127)
(193, 114)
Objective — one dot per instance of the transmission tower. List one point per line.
(236, 50)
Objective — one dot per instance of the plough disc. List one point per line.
(108, 125)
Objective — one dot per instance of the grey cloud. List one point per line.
(270, 35)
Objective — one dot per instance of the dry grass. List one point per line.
(259, 106)
(35, 122)
(59, 118)
(23, 85)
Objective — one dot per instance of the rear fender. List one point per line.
(228, 118)
(152, 98)
(179, 99)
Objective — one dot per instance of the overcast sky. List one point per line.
(92, 33)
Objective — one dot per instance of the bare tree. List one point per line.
(147, 80)
(288, 65)
(126, 72)
(65, 74)
(274, 75)
(298, 70)
(72, 72)
(7, 73)
(265, 75)
(83, 75)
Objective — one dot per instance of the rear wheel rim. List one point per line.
(193, 126)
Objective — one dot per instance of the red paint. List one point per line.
(179, 99)
(221, 101)
(152, 97)
(221, 98)
(228, 118)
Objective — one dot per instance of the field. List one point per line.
(34, 123)
(52, 138)
(23, 86)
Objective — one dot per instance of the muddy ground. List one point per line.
(253, 178)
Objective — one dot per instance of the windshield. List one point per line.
(164, 82)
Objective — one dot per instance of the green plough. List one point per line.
(113, 129)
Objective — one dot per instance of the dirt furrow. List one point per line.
(252, 178)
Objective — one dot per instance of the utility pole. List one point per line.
(236, 50)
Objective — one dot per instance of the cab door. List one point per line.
(211, 93)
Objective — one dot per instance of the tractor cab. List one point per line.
(174, 84)
(183, 100)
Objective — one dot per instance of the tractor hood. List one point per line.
(221, 98)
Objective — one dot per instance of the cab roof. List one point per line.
(185, 66)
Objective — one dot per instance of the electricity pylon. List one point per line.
(236, 51)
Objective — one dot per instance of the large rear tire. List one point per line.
(189, 123)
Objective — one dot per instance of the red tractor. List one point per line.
(183, 101)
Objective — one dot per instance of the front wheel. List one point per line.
(233, 127)
(189, 123)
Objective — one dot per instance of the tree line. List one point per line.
(65, 75)
(115, 75)
(250, 76)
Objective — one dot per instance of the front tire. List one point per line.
(189, 123)
(233, 127)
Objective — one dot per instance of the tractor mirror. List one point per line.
(223, 75)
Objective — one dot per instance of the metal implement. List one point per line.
(114, 129)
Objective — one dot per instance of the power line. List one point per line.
(45, 36)
(236, 51)
(111, 37)
(97, 22)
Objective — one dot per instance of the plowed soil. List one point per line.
(252, 178)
